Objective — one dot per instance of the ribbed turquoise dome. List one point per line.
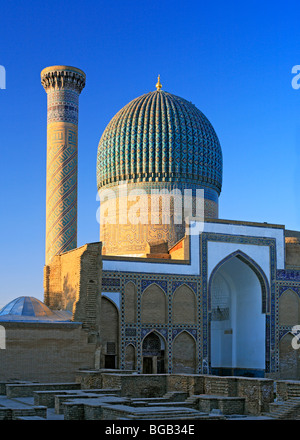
(160, 137)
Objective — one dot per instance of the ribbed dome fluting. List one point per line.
(160, 137)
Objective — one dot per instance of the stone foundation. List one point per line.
(256, 393)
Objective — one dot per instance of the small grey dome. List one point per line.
(30, 308)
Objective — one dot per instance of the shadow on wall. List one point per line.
(69, 295)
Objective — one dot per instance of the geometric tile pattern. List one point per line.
(133, 333)
(270, 305)
(63, 86)
(160, 137)
(288, 275)
(61, 198)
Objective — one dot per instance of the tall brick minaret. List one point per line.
(63, 85)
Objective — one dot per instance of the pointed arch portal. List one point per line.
(153, 350)
(238, 303)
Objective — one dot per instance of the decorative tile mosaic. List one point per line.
(288, 275)
(160, 137)
(270, 321)
(272, 291)
(63, 86)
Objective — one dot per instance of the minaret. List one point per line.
(63, 85)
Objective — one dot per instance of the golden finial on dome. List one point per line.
(158, 84)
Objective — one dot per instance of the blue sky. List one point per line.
(232, 59)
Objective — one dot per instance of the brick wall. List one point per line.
(190, 384)
(232, 406)
(257, 392)
(45, 352)
(29, 389)
(89, 379)
(287, 389)
(227, 405)
(292, 252)
(131, 385)
(73, 411)
(73, 282)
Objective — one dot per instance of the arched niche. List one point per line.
(184, 306)
(184, 354)
(153, 305)
(130, 357)
(289, 308)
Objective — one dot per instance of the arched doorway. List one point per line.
(153, 351)
(237, 308)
